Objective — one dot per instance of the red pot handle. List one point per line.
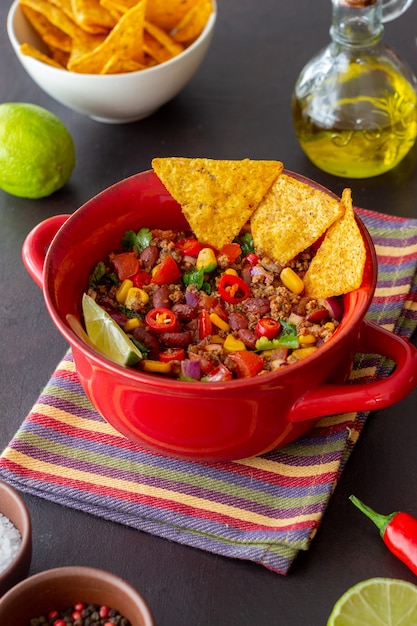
(36, 245)
(333, 399)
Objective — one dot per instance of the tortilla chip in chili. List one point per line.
(217, 197)
(338, 265)
(291, 217)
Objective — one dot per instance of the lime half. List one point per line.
(377, 602)
(107, 336)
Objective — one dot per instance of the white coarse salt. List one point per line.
(10, 540)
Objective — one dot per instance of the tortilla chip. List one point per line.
(116, 64)
(124, 40)
(291, 217)
(92, 16)
(154, 49)
(55, 15)
(339, 263)
(164, 39)
(192, 25)
(30, 51)
(167, 14)
(217, 197)
(49, 33)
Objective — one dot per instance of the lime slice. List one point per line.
(377, 602)
(107, 336)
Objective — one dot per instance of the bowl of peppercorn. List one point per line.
(15, 538)
(74, 596)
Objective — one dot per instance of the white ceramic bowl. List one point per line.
(113, 98)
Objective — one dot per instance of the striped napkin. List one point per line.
(263, 509)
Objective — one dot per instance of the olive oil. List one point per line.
(359, 136)
(355, 103)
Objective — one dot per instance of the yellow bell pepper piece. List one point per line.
(231, 344)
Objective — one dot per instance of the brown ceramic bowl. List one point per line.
(63, 587)
(14, 508)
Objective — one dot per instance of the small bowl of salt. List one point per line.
(15, 538)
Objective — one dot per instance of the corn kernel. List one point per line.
(132, 323)
(231, 271)
(156, 367)
(302, 353)
(206, 260)
(123, 290)
(231, 344)
(291, 280)
(329, 325)
(135, 294)
(217, 321)
(307, 339)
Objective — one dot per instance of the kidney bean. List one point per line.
(237, 320)
(257, 305)
(150, 341)
(176, 340)
(248, 337)
(245, 274)
(149, 256)
(160, 297)
(184, 312)
(318, 315)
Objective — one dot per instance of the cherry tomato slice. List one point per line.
(172, 354)
(219, 374)
(232, 251)
(233, 289)
(267, 327)
(162, 320)
(189, 246)
(247, 363)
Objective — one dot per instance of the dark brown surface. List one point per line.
(238, 105)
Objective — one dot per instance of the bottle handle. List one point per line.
(391, 9)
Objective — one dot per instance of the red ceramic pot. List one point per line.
(204, 421)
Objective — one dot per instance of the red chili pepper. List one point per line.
(167, 272)
(126, 264)
(162, 320)
(247, 363)
(398, 531)
(189, 246)
(172, 354)
(233, 289)
(140, 279)
(232, 251)
(205, 326)
(267, 327)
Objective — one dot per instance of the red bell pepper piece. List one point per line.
(126, 265)
(267, 327)
(398, 531)
(232, 251)
(167, 272)
(189, 246)
(247, 363)
(162, 320)
(141, 278)
(205, 326)
(233, 289)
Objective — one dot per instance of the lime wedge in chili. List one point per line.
(107, 336)
(376, 602)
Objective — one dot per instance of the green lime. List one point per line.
(37, 153)
(377, 602)
(107, 336)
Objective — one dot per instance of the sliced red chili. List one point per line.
(140, 279)
(205, 326)
(173, 354)
(232, 251)
(166, 272)
(267, 327)
(233, 289)
(189, 246)
(126, 264)
(247, 363)
(162, 321)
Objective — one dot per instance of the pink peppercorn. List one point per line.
(76, 615)
(79, 606)
(59, 622)
(104, 611)
(53, 614)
